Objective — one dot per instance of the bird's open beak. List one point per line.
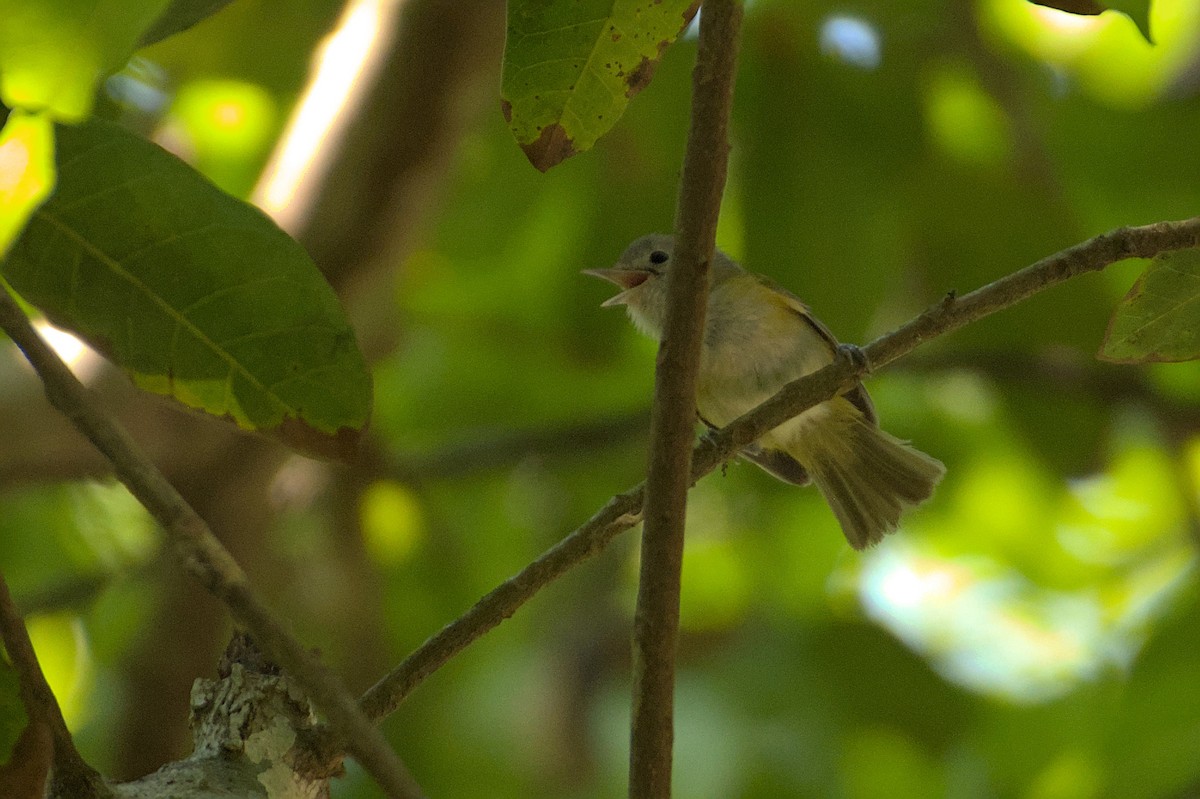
(627, 279)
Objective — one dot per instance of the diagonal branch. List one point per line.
(950, 314)
(72, 775)
(624, 510)
(204, 556)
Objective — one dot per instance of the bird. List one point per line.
(757, 338)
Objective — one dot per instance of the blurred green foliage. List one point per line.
(1032, 632)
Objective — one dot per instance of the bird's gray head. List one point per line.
(641, 273)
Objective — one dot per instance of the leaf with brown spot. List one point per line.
(640, 77)
(550, 148)
(571, 68)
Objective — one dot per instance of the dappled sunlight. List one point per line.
(81, 359)
(1032, 627)
(1113, 516)
(222, 127)
(140, 86)
(1074, 773)
(852, 40)
(27, 171)
(65, 656)
(344, 68)
(1032, 630)
(1105, 55)
(1001, 502)
(393, 524)
(964, 121)
(963, 396)
(982, 625)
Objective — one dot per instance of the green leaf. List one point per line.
(26, 171)
(1159, 319)
(1083, 7)
(570, 69)
(1136, 10)
(52, 52)
(195, 294)
(179, 16)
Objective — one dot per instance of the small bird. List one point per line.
(757, 338)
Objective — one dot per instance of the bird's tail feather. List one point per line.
(868, 476)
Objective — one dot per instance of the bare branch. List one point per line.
(481, 452)
(949, 315)
(72, 776)
(621, 513)
(673, 418)
(204, 556)
(624, 510)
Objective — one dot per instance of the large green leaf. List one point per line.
(52, 52)
(1159, 320)
(197, 295)
(570, 69)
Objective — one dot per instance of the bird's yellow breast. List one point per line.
(755, 341)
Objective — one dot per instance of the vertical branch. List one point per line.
(656, 622)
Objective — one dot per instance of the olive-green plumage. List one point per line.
(757, 338)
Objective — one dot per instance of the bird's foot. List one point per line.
(855, 356)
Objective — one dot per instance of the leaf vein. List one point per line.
(136, 284)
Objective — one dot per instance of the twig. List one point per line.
(949, 315)
(483, 451)
(72, 775)
(623, 511)
(673, 418)
(205, 557)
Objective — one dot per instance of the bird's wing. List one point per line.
(858, 395)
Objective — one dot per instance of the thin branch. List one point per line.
(72, 776)
(950, 314)
(482, 452)
(624, 510)
(673, 418)
(618, 515)
(204, 556)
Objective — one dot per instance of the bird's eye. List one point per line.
(658, 257)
